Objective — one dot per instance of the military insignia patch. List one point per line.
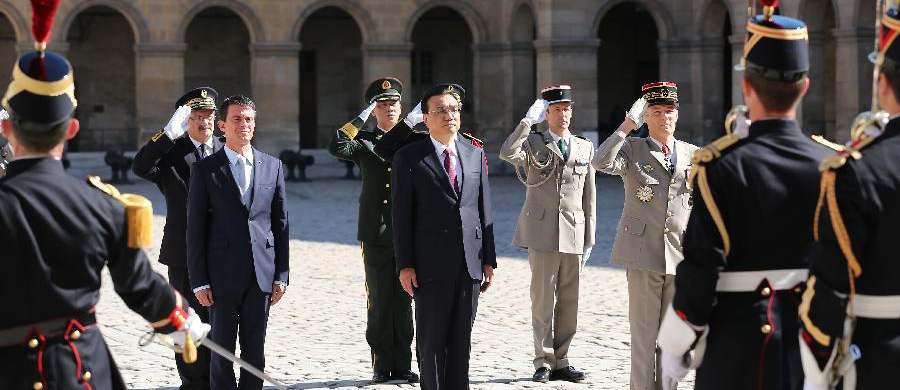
(386, 84)
(644, 194)
(203, 93)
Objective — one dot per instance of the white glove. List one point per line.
(537, 112)
(364, 115)
(178, 123)
(3, 115)
(415, 116)
(674, 369)
(636, 112)
(192, 324)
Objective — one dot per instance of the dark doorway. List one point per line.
(218, 53)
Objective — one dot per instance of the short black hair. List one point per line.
(776, 95)
(235, 100)
(892, 74)
(38, 137)
(445, 91)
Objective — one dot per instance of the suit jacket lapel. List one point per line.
(465, 160)
(258, 169)
(684, 161)
(548, 141)
(225, 172)
(434, 163)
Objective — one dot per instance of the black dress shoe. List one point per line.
(568, 374)
(407, 376)
(380, 377)
(541, 375)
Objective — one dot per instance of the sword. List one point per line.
(166, 341)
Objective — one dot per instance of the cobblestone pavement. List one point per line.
(316, 333)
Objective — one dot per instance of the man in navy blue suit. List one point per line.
(237, 241)
(443, 237)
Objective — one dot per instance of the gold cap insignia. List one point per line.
(386, 84)
(203, 93)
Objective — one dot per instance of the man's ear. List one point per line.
(72, 131)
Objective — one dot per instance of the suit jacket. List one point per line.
(167, 163)
(436, 230)
(374, 200)
(223, 234)
(650, 231)
(558, 215)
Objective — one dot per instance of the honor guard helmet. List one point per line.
(447, 88)
(42, 89)
(888, 54)
(385, 88)
(777, 47)
(203, 98)
(557, 94)
(663, 92)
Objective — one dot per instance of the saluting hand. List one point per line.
(415, 116)
(488, 277)
(408, 280)
(537, 112)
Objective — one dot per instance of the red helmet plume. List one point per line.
(43, 12)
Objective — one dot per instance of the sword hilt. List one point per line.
(189, 353)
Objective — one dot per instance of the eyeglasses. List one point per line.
(445, 110)
(203, 118)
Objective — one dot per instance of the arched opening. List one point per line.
(627, 58)
(522, 35)
(442, 53)
(866, 29)
(105, 88)
(7, 49)
(218, 53)
(330, 74)
(818, 113)
(718, 69)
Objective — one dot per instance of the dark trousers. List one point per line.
(445, 312)
(196, 375)
(389, 329)
(244, 315)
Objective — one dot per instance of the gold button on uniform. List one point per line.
(387, 185)
(75, 335)
(385, 201)
(765, 291)
(766, 329)
(389, 169)
(37, 386)
(33, 343)
(86, 376)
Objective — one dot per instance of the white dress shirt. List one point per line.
(242, 170)
(673, 157)
(208, 145)
(454, 158)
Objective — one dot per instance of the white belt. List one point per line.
(747, 281)
(884, 307)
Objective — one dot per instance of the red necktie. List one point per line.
(451, 169)
(665, 150)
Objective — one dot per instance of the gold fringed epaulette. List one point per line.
(702, 157)
(474, 141)
(157, 136)
(138, 213)
(351, 129)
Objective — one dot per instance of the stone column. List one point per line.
(677, 63)
(389, 60)
(275, 82)
(159, 79)
(853, 79)
(494, 103)
(737, 55)
(711, 76)
(572, 61)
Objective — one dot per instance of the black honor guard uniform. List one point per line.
(389, 328)
(738, 288)
(851, 309)
(166, 160)
(57, 234)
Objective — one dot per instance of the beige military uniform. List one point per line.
(648, 238)
(557, 222)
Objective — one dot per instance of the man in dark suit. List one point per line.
(237, 241)
(166, 161)
(443, 237)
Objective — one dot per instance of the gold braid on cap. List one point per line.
(22, 82)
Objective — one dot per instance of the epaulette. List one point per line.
(474, 141)
(702, 157)
(157, 136)
(138, 213)
(852, 150)
(581, 136)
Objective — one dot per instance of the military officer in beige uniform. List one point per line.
(657, 205)
(556, 224)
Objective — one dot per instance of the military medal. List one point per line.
(644, 193)
(647, 167)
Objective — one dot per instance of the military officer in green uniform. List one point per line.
(389, 329)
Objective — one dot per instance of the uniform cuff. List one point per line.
(201, 288)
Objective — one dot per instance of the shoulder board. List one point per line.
(138, 213)
(581, 136)
(852, 150)
(157, 136)
(714, 149)
(474, 141)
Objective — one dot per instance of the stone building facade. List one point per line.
(306, 62)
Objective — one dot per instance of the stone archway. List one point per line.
(218, 53)
(628, 57)
(101, 50)
(330, 74)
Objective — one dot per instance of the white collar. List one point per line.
(671, 144)
(233, 156)
(566, 136)
(439, 147)
(208, 143)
